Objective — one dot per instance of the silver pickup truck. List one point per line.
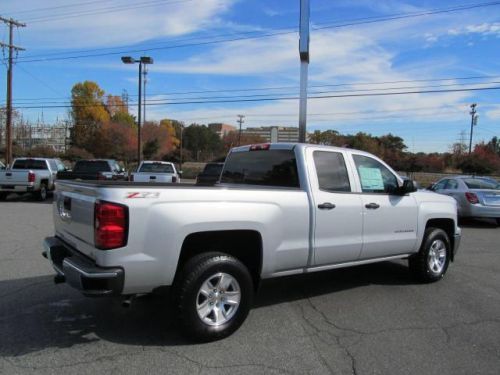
(32, 175)
(279, 209)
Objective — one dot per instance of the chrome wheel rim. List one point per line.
(437, 256)
(218, 299)
(43, 192)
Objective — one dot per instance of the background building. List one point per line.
(275, 134)
(221, 129)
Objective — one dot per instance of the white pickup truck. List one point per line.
(279, 209)
(155, 171)
(32, 175)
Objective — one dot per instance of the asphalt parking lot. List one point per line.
(365, 320)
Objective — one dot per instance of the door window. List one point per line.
(331, 171)
(374, 176)
(440, 185)
(452, 185)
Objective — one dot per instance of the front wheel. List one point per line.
(431, 262)
(214, 293)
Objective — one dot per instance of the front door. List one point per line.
(389, 219)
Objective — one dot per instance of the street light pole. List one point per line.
(143, 60)
(139, 106)
(472, 123)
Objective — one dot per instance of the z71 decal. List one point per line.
(142, 194)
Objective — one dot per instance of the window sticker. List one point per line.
(371, 178)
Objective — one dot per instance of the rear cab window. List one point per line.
(374, 176)
(156, 168)
(477, 183)
(30, 164)
(92, 166)
(261, 167)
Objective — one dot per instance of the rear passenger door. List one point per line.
(337, 211)
(389, 219)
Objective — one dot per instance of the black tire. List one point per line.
(498, 221)
(420, 263)
(41, 194)
(199, 271)
(3, 196)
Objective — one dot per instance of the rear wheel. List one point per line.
(431, 262)
(41, 195)
(214, 293)
(3, 196)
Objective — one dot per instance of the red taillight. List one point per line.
(174, 179)
(110, 225)
(264, 146)
(100, 176)
(472, 198)
(31, 177)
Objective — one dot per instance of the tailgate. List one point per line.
(11, 178)
(152, 177)
(74, 215)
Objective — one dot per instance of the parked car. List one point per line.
(280, 209)
(32, 175)
(475, 196)
(96, 169)
(210, 174)
(156, 171)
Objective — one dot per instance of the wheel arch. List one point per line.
(448, 226)
(244, 245)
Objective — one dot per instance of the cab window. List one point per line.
(331, 170)
(374, 176)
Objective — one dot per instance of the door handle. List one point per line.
(372, 206)
(326, 206)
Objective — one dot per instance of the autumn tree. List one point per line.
(118, 111)
(88, 112)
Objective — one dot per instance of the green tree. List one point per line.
(203, 143)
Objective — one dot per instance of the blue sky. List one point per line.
(396, 55)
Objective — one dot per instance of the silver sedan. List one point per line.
(475, 196)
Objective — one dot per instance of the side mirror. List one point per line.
(408, 187)
(430, 187)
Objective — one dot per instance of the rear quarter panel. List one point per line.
(160, 219)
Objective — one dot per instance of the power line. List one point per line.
(311, 86)
(272, 33)
(60, 6)
(107, 10)
(290, 98)
(375, 19)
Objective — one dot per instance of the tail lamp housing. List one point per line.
(110, 225)
(471, 198)
(31, 177)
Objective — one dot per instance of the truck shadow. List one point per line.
(36, 315)
(26, 197)
(477, 223)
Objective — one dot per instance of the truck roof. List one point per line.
(291, 146)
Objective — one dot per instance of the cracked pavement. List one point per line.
(365, 320)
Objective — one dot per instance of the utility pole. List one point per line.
(473, 121)
(8, 128)
(304, 67)
(145, 80)
(240, 121)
